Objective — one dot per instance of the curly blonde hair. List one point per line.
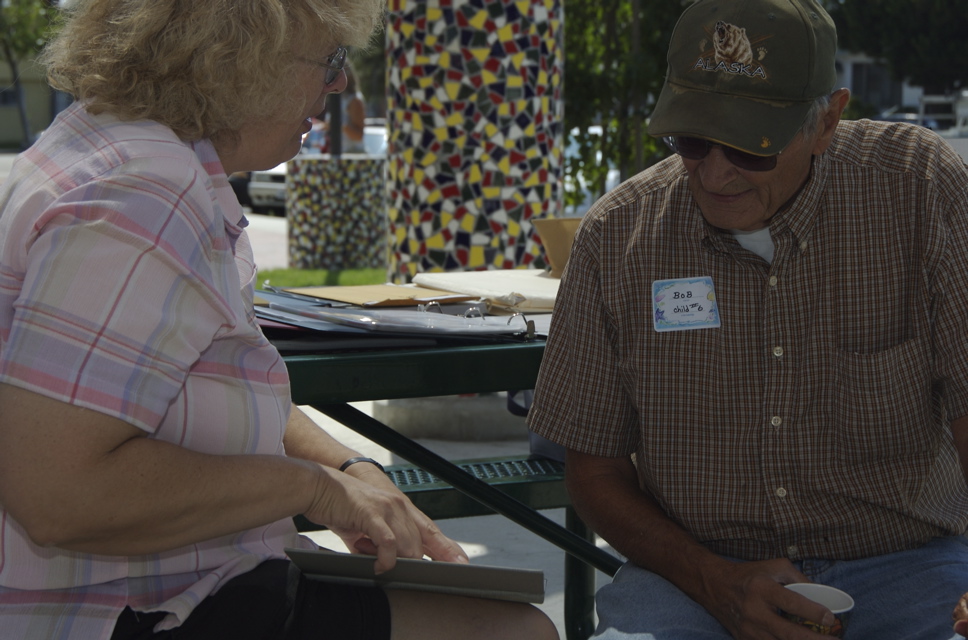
(201, 67)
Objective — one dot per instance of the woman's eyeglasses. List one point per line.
(698, 148)
(333, 65)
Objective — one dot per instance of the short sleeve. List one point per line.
(119, 295)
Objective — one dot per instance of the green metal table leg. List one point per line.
(579, 585)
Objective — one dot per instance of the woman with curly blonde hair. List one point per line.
(151, 460)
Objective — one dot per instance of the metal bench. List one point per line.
(538, 483)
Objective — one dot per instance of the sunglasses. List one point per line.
(333, 65)
(698, 148)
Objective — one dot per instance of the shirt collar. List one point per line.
(225, 196)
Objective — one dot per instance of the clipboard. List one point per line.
(406, 321)
(482, 581)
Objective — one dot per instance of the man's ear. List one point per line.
(828, 123)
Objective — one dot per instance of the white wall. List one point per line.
(960, 145)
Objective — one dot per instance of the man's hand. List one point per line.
(746, 598)
(960, 615)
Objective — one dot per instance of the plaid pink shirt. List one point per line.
(126, 287)
(814, 423)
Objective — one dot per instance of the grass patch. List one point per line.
(287, 278)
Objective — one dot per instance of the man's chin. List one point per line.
(743, 222)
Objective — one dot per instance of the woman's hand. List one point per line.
(306, 440)
(376, 518)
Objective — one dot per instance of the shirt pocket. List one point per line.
(882, 402)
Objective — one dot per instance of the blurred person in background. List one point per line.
(352, 116)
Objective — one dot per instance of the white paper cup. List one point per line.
(839, 603)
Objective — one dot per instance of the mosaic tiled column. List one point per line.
(475, 121)
(337, 212)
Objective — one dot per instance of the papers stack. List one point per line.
(516, 290)
(388, 311)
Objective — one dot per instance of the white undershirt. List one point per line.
(759, 242)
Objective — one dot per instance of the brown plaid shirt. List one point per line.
(814, 423)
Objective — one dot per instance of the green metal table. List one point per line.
(329, 381)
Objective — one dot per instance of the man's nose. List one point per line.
(716, 169)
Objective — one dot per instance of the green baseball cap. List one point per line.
(744, 73)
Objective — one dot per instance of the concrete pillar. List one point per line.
(336, 209)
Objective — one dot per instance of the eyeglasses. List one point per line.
(698, 148)
(333, 65)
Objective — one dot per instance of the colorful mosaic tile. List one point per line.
(475, 118)
(337, 213)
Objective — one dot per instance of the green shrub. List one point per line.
(287, 278)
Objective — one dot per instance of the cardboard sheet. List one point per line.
(382, 295)
(511, 289)
(557, 236)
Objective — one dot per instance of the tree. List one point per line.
(370, 65)
(25, 26)
(615, 64)
(919, 40)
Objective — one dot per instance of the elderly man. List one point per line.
(758, 362)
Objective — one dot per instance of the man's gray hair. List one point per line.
(811, 123)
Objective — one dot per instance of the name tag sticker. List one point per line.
(685, 303)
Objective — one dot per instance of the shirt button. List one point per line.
(803, 246)
(776, 421)
(781, 492)
(792, 551)
(778, 351)
(773, 281)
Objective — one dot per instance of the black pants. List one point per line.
(274, 601)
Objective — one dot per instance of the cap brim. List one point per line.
(753, 126)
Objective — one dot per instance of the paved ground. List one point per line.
(269, 235)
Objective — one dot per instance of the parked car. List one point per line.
(267, 189)
(896, 115)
